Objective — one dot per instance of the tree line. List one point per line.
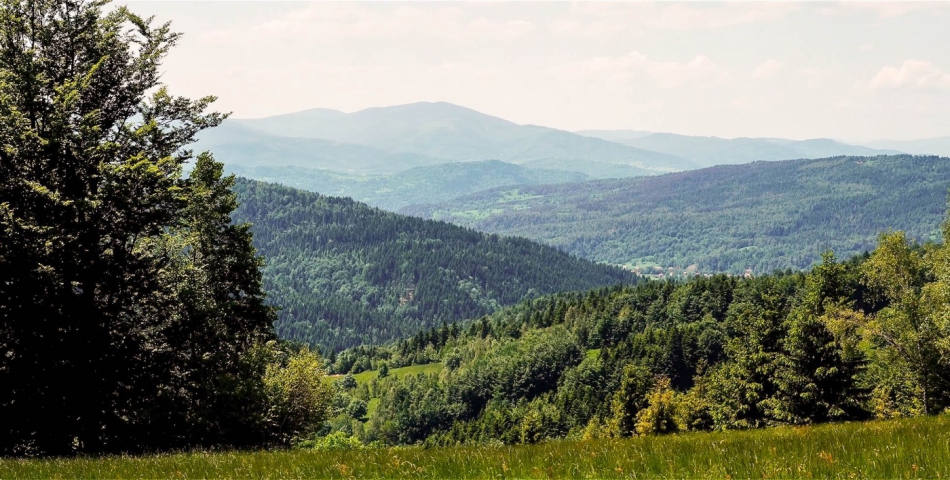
(848, 340)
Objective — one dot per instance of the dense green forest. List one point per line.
(345, 273)
(428, 184)
(850, 340)
(763, 216)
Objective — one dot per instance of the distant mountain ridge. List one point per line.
(924, 146)
(455, 133)
(239, 145)
(386, 140)
(762, 215)
(425, 184)
(425, 152)
(709, 151)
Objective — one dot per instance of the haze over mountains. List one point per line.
(392, 157)
(438, 183)
(576, 191)
(455, 133)
(709, 151)
(926, 146)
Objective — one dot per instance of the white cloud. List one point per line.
(569, 65)
(912, 73)
(340, 21)
(741, 102)
(457, 72)
(692, 16)
(700, 71)
(767, 70)
(611, 17)
(812, 77)
(883, 9)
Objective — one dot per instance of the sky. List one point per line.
(853, 71)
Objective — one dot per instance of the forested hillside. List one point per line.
(346, 274)
(435, 183)
(763, 216)
(846, 341)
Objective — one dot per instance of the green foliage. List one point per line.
(129, 301)
(630, 399)
(298, 396)
(346, 274)
(906, 448)
(913, 331)
(764, 215)
(659, 415)
(357, 408)
(332, 442)
(427, 184)
(817, 381)
(712, 353)
(348, 382)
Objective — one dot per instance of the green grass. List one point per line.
(371, 406)
(366, 377)
(909, 448)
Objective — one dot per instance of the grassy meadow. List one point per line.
(906, 448)
(367, 376)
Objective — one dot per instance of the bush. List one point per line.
(298, 396)
(356, 408)
(660, 412)
(333, 441)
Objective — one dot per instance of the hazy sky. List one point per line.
(852, 71)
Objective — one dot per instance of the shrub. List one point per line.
(333, 441)
(298, 397)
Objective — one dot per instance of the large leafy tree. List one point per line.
(912, 372)
(127, 299)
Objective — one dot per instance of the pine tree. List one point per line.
(818, 380)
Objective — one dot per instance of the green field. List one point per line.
(370, 375)
(909, 448)
(366, 377)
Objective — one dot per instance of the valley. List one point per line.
(381, 155)
(426, 184)
(518, 240)
(761, 216)
(347, 274)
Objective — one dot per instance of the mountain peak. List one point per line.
(454, 133)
